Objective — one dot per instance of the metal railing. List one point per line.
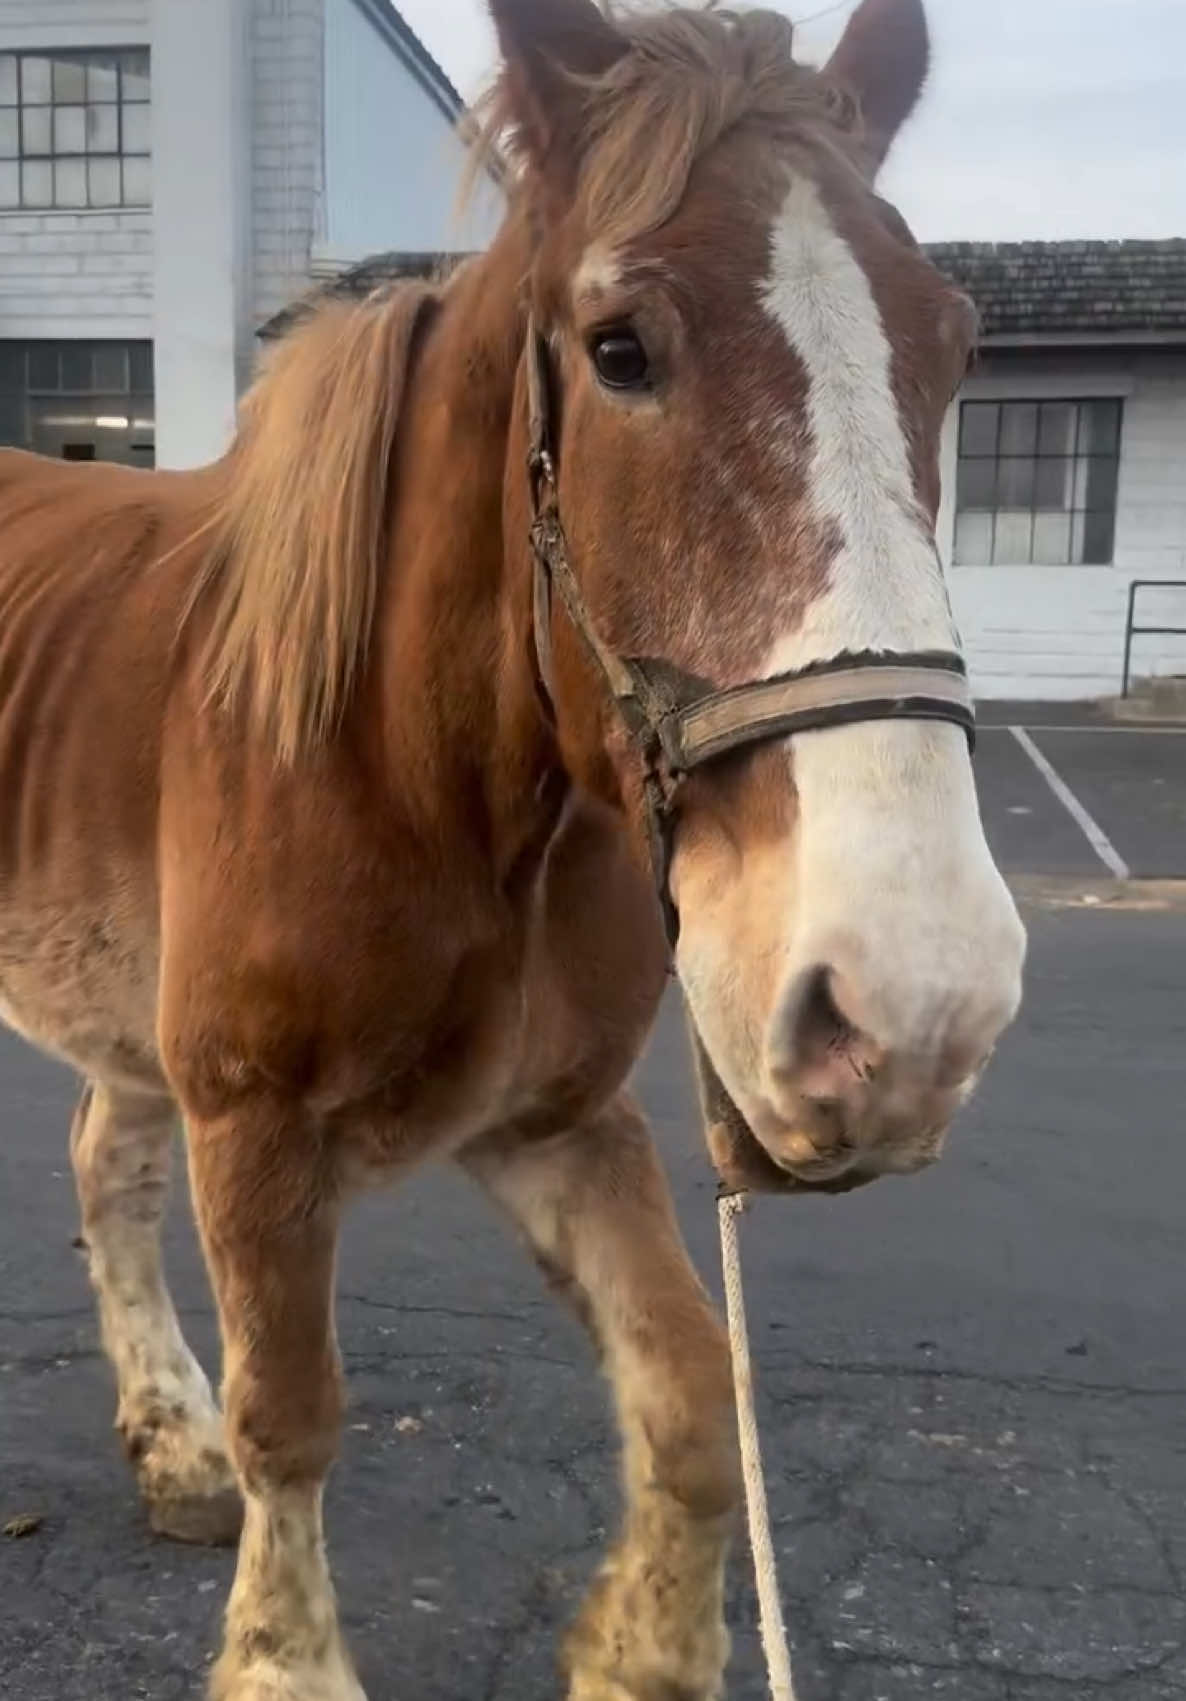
(1132, 631)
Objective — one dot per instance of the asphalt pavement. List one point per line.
(972, 1383)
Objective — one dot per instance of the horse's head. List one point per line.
(752, 360)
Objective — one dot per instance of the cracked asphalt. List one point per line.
(972, 1387)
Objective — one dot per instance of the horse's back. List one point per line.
(93, 573)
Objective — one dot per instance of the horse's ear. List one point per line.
(546, 45)
(882, 58)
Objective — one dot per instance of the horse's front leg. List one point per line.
(266, 1196)
(171, 1428)
(595, 1207)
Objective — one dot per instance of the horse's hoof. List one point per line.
(187, 1483)
(211, 1520)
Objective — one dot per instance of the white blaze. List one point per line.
(893, 875)
(885, 588)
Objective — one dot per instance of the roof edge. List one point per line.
(1135, 338)
(407, 45)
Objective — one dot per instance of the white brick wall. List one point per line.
(73, 23)
(1058, 632)
(75, 274)
(287, 178)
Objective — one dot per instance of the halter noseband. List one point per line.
(678, 723)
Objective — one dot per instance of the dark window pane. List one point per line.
(1097, 539)
(37, 183)
(12, 366)
(9, 147)
(1099, 427)
(77, 367)
(102, 176)
(70, 129)
(140, 361)
(36, 80)
(136, 129)
(1052, 539)
(1100, 484)
(102, 129)
(35, 129)
(8, 79)
(1019, 428)
(1052, 483)
(69, 80)
(137, 182)
(1015, 483)
(976, 483)
(101, 79)
(135, 75)
(978, 428)
(69, 183)
(111, 366)
(43, 366)
(1056, 428)
(1012, 540)
(973, 540)
(12, 418)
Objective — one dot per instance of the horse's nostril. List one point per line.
(817, 1047)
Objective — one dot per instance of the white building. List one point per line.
(1064, 464)
(172, 172)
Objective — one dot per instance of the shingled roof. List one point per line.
(356, 281)
(1121, 291)
(1025, 291)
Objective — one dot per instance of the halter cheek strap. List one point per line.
(678, 723)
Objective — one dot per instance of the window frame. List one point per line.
(114, 57)
(1075, 395)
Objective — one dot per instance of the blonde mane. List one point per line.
(299, 534)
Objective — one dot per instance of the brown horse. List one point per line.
(314, 835)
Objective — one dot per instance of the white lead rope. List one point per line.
(774, 1635)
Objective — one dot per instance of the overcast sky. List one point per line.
(1042, 118)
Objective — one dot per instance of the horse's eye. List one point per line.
(620, 359)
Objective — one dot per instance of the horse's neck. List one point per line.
(459, 714)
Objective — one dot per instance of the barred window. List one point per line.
(74, 129)
(79, 401)
(1036, 482)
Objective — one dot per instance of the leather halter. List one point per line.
(678, 723)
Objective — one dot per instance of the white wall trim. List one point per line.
(413, 55)
(1045, 386)
(28, 37)
(58, 329)
(21, 216)
(1125, 341)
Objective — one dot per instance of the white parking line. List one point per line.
(1099, 841)
(1138, 728)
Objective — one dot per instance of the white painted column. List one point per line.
(201, 222)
